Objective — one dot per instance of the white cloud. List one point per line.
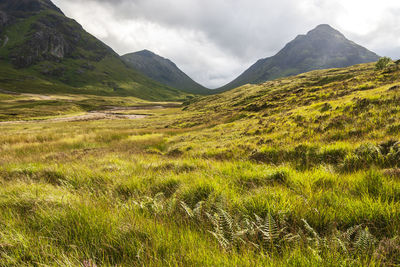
(213, 41)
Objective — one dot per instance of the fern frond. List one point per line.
(198, 209)
(187, 209)
(269, 230)
(259, 221)
(350, 233)
(221, 240)
(213, 218)
(225, 222)
(342, 245)
(318, 241)
(159, 197)
(364, 240)
(311, 230)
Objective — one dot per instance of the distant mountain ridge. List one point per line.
(321, 48)
(39, 41)
(164, 71)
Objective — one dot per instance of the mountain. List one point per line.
(321, 48)
(164, 71)
(41, 50)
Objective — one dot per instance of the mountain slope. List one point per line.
(164, 71)
(322, 48)
(45, 46)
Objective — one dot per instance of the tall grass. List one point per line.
(295, 172)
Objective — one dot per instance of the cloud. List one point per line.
(213, 41)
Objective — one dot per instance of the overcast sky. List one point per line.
(213, 41)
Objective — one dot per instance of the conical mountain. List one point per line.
(40, 44)
(321, 48)
(164, 71)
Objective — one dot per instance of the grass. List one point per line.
(301, 171)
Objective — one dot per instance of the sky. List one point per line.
(214, 41)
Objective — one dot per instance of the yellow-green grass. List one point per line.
(302, 181)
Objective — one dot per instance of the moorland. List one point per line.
(298, 171)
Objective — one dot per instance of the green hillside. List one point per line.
(299, 171)
(42, 48)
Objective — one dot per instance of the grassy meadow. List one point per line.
(300, 171)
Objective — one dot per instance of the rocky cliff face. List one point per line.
(43, 43)
(3, 19)
(50, 37)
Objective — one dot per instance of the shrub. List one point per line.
(382, 63)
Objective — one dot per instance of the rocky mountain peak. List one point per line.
(145, 53)
(325, 31)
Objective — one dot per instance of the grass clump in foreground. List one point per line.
(198, 188)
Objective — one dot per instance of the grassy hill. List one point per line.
(43, 51)
(299, 171)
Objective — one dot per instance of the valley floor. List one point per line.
(185, 186)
